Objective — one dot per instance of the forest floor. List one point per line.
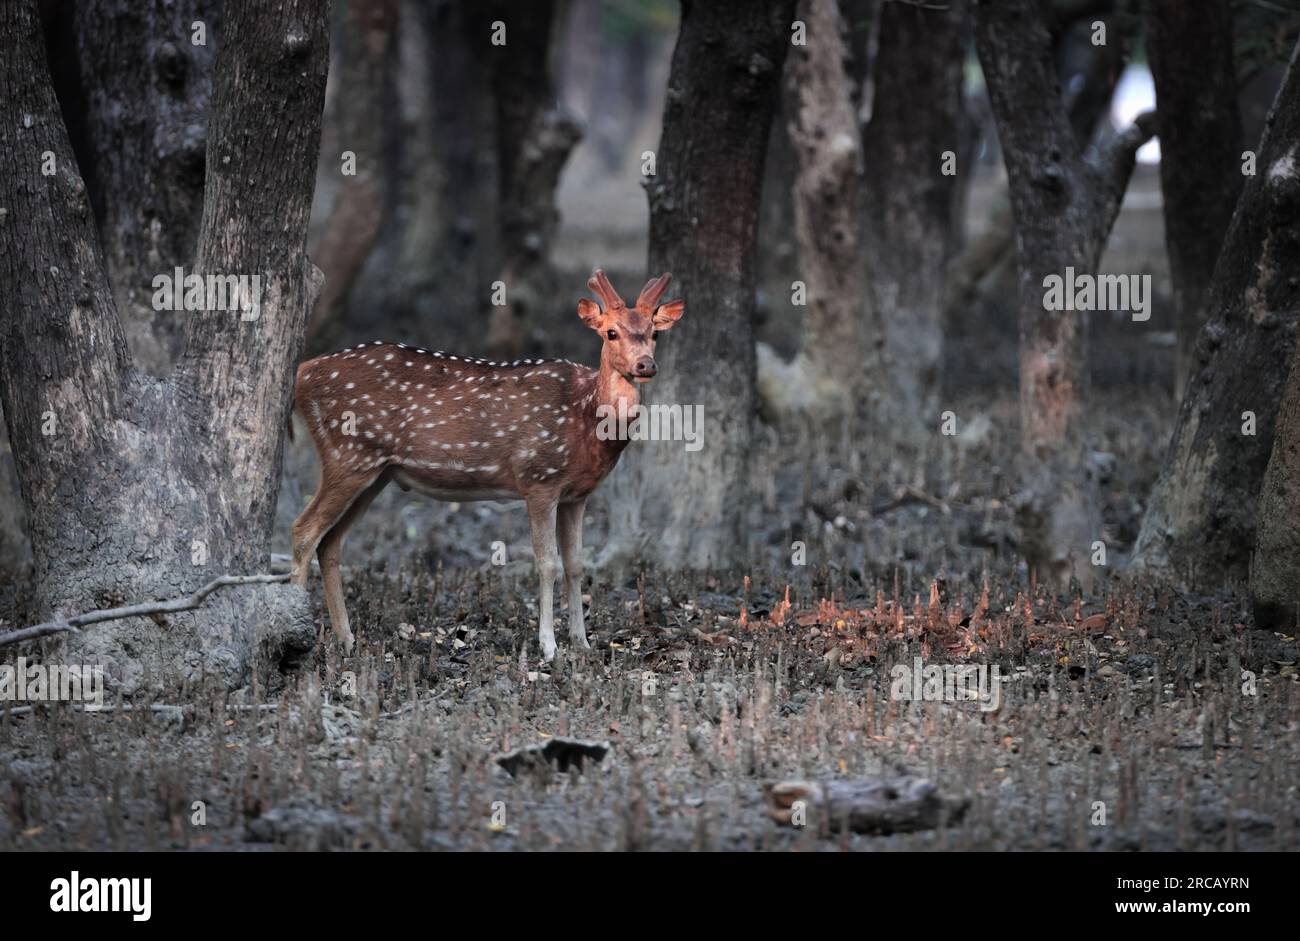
(1123, 721)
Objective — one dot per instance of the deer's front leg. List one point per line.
(541, 520)
(570, 530)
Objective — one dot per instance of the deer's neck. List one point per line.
(614, 391)
(612, 398)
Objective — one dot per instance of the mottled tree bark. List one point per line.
(533, 140)
(912, 218)
(146, 86)
(1064, 205)
(1200, 524)
(354, 221)
(704, 202)
(836, 361)
(138, 488)
(1088, 105)
(1275, 566)
(1190, 50)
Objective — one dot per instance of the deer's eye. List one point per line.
(611, 334)
(654, 335)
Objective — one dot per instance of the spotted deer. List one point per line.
(461, 428)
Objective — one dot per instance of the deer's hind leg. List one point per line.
(335, 493)
(330, 553)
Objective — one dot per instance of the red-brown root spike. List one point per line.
(654, 289)
(600, 286)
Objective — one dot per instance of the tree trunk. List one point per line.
(146, 87)
(836, 360)
(1190, 51)
(912, 222)
(1200, 524)
(427, 278)
(977, 270)
(1064, 205)
(354, 221)
(466, 249)
(704, 202)
(533, 140)
(138, 488)
(1275, 568)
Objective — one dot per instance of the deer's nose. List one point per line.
(645, 366)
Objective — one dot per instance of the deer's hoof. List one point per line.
(548, 651)
(348, 643)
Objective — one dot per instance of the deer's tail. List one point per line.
(293, 405)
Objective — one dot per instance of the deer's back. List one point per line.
(455, 427)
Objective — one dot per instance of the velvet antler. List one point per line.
(650, 294)
(600, 286)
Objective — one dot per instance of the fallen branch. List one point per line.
(901, 804)
(163, 708)
(188, 603)
(160, 708)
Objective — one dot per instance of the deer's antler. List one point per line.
(654, 289)
(599, 285)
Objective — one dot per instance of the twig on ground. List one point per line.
(188, 603)
(128, 707)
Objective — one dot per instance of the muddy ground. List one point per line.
(1125, 719)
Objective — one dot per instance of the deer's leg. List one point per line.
(570, 533)
(307, 530)
(330, 553)
(334, 495)
(541, 520)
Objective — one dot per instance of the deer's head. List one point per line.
(630, 332)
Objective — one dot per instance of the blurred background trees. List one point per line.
(859, 200)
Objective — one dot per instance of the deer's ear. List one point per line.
(668, 314)
(590, 313)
